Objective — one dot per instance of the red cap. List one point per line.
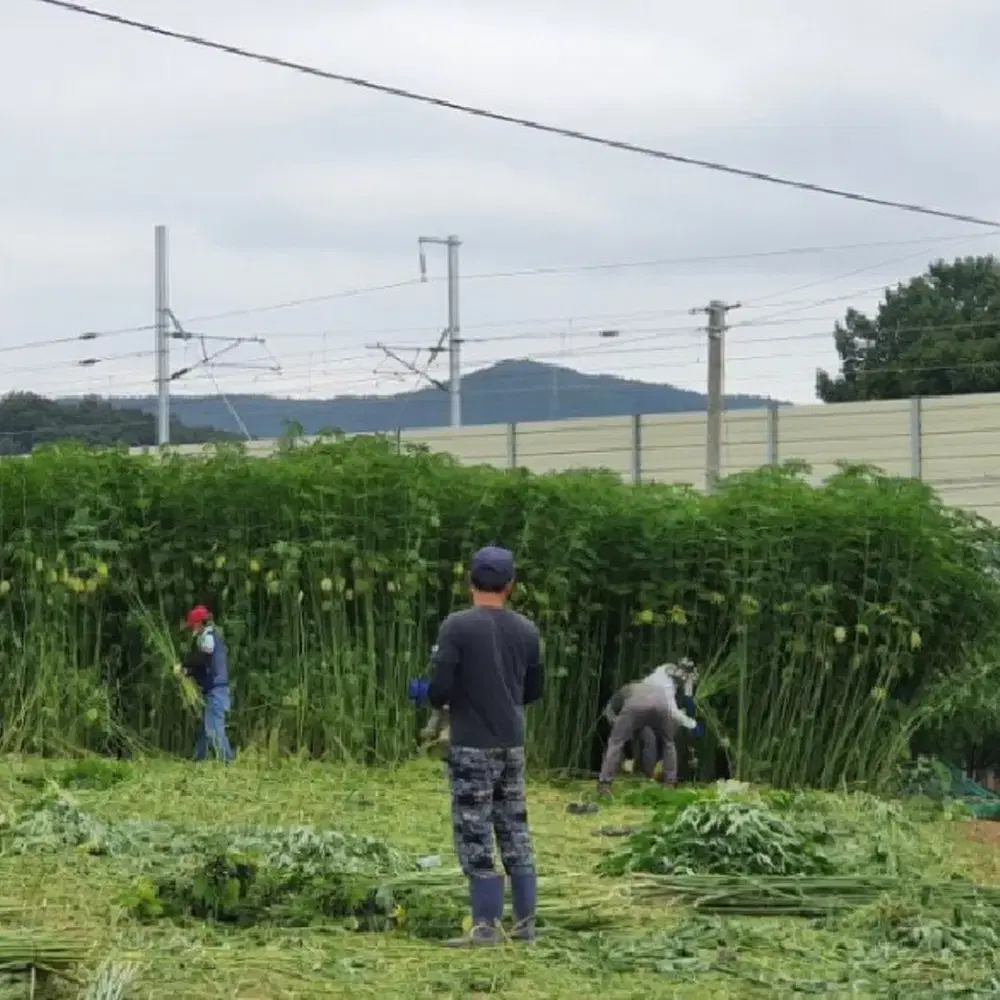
(198, 616)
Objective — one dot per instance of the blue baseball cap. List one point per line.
(492, 567)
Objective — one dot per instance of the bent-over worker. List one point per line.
(648, 710)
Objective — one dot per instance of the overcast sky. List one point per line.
(279, 187)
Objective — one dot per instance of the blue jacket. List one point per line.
(208, 663)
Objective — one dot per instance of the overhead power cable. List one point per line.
(527, 123)
(542, 271)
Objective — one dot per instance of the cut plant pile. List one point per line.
(877, 955)
(55, 823)
(724, 837)
(139, 869)
(799, 896)
(244, 876)
(736, 850)
(285, 877)
(28, 958)
(734, 829)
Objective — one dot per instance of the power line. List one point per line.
(242, 312)
(514, 389)
(605, 318)
(649, 347)
(63, 341)
(541, 271)
(527, 123)
(756, 303)
(348, 293)
(81, 363)
(612, 319)
(649, 342)
(726, 258)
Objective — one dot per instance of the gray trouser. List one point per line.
(643, 710)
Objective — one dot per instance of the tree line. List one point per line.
(937, 334)
(28, 420)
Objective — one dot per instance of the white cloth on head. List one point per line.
(666, 676)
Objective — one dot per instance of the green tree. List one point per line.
(936, 335)
(28, 420)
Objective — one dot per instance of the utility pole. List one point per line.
(162, 343)
(453, 331)
(717, 311)
(168, 327)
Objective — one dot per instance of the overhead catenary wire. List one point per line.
(649, 345)
(204, 42)
(759, 301)
(241, 312)
(555, 327)
(651, 348)
(618, 319)
(514, 389)
(650, 340)
(605, 319)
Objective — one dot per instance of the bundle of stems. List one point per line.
(23, 952)
(158, 635)
(804, 896)
(561, 901)
(112, 982)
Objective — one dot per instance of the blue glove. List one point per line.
(688, 704)
(698, 731)
(419, 688)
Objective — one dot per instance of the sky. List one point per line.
(276, 187)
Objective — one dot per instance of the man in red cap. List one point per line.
(208, 665)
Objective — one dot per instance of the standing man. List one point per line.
(208, 665)
(487, 668)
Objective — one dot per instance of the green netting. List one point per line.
(982, 803)
(939, 781)
(985, 810)
(965, 788)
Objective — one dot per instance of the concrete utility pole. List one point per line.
(168, 327)
(162, 342)
(717, 311)
(453, 332)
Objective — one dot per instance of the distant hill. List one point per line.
(511, 391)
(28, 420)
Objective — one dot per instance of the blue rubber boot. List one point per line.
(486, 897)
(524, 890)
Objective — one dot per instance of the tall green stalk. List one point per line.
(824, 618)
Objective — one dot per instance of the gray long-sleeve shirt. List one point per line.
(661, 679)
(487, 668)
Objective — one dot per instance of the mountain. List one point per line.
(508, 392)
(28, 420)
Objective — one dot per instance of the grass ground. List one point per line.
(659, 952)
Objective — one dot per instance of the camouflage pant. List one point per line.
(487, 797)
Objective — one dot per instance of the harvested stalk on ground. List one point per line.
(800, 896)
(23, 952)
(112, 982)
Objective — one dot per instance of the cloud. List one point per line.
(278, 187)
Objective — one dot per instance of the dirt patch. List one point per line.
(983, 831)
